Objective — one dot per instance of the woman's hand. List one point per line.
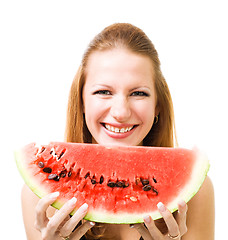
(176, 227)
(60, 226)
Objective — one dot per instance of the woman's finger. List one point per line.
(142, 231)
(69, 226)
(81, 231)
(170, 221)
(41, 208)
(181, 217)
(152, 228)
(61, 215)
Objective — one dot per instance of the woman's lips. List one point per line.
(118, 131)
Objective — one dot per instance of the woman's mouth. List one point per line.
(117, 129)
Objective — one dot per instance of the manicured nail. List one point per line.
(161, 207)
(84, 207)
(182, 203)
(92, 223)
(73, 200)
(132, 225)
(147, 219)
(54, 195)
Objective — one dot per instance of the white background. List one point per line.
(41, 45)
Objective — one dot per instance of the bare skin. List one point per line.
(193, 221)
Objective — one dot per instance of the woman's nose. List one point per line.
(120, 109)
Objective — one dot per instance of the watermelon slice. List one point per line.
(120, 184)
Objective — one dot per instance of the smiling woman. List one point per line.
(119, 96)
(118, 92)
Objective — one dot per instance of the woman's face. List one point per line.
(119, 97)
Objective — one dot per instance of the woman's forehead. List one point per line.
(119, 64)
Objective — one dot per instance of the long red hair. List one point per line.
(134, 39)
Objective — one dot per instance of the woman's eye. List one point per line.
(139, 93)
(103, 92)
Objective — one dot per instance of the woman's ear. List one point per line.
(157, 111)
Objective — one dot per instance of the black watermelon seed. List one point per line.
(42, 150)
(57, 178)
(40, 164)
(155, 180)
(53, 177)
(147, 187)
(111, 184)
(61, 154)
(155, 190)
(120, 184)
(145, 182)
(62, 174)
(69, 173)
(47, 170)
(87, 175)
(93, 181)
(126, 184)
(101, 179)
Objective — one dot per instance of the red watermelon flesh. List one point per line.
(120, 184)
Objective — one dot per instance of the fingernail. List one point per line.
(84, 207)
(54, 195)
(132, 225)
(182, 203)
(161, 207)
(147, 219)
(73, 200)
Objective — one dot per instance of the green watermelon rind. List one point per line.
(199, 174)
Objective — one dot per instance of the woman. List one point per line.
(119, 96)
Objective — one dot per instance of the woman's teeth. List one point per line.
(118, 130)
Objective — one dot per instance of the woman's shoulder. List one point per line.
(206, 191)
(207, 184)
(201, 213)
(204, 198)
